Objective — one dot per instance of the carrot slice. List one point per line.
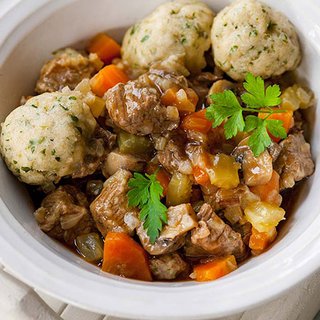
(201, 176)
(184, 99)
(107, 78)
(197, 122)
(259, 241)
(286, 118)
(215, 269)
(268, 192)
(124, 257)
(105, 47)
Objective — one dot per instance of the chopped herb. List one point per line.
(145, 38)
(183, 39)
(14, 161)
(234, 48)
(253, 32)
(41, 140)
(53, 152)
(25, 169)
(133, 30)
(173, 12)
(145, 194)
(43, 151)
(63, 107)
(74, 118)
(72, 98)
(32, 146)
(226, 108)
(34, 106)
(58, 159)
(271, 26)
(79, 129)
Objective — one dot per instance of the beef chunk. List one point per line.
(67, 68)
(116, 160)
(173, 156)
(215, 237)
(256, 170)
(168, 266)
(181, 219)
(110, 209)
(294, 162)
(64, 214)
(136, 106)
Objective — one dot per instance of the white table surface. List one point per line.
(20, 302)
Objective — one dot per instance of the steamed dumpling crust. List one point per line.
(180, 28)
(46, 138)
(248, 36)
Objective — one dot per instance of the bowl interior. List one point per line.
(76, 22)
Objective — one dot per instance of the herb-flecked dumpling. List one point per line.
(248, 36)
(180, 28)
(47, 138)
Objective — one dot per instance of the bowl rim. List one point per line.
(132, 299)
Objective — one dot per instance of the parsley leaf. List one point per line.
(256, 95)
(260, 139)
(145, 193)
(226, 107)
(227, 110)
(275, 127)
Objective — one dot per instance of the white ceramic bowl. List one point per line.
(29, 33)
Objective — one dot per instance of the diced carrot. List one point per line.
(124, 257)
(259, 241)
(268, 192)
(286, 118)
(107, 78)
(215, 269)
(169, 98)
(162, 176)
(201, 176)
(105, 47)
(197, 122)
(184, 99)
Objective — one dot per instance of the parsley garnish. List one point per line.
(227, 108)
(145, 38)
(145, 194)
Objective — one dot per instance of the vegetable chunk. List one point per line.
(124, 257)
(214, 269)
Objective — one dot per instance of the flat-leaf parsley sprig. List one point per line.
(145, 193)
(258, 99)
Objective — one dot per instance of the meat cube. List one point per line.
(110, 209)
(64, 214)
(116, 160)
(240, 196)
(209, 193)
(256, 170)
(173, 157)
(181, 219)
(294, 162)
(136, 108)
(168, 266)
(67, 68)
(274, 150)
(163, 79)
(215, 237)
